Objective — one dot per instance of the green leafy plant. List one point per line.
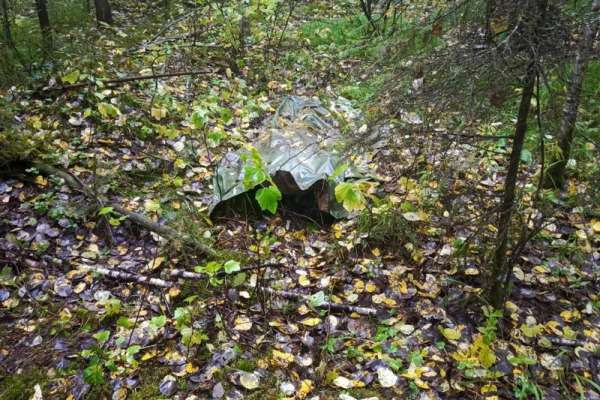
(256, 174)
(216, 270)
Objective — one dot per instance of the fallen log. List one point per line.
(127, 276)
(139, 219)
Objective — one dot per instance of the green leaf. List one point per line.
(231, 266)
(350, 196)
(521, 360)
(317, 299)
(226, 116)
(105, 211)
(94, 374)
(102, 336)
(71, 77)
(526, 156)
(253, 176)
(158, 322)
(108, 110)
(238, 279)
(124, 322)
(133, 350)
(198, 118)
(268, 198)
(339, 171)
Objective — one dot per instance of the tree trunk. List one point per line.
(6, 25)
(555, 176)
(103, 11)
(42, 12)
(490, 9)
(501, 269)
(501, 273)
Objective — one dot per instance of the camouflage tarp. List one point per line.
(300, 150)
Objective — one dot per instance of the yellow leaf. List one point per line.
(531, 330)
(311, 321)
(242, 323)
(287, 357)
(306, 386)
(487, 358)
(596, 225)
(154, 263)
(490, 387)
(190, 368)
(303, 280)
(450, 334)
(158, 113)
(40, 180)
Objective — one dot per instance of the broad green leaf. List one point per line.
(105, 211)
(238, 279)
(253, 176)
(350, 196)
(231, 266)
(226, 116)
(526, 156)
(132, 350)
(317, 299)
(268, 198)
(102, 336)
(108, 110)
(198, 118)
(158, 322)
(94, 374)
(71, 77)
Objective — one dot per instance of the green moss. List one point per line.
(20, 386)
(150, 377)
(248, 365)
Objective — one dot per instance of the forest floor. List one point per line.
(412, 260)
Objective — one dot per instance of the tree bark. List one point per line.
(6, 24)
(555, 176)
(500, 268)
(103, 11)
(501, 272)
(42, 12)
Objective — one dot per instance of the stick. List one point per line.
(327, 305)
(116, 82)
(181, 273)
(126, 276)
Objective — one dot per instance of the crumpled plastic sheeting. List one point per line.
(300, 149)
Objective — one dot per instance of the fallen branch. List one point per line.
(127, 276)
(119, 81)
(139, 219)
(181, 273)
(326, 305)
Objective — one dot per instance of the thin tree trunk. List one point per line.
(6, 25)
(555, 176)
(42, 12)
(501, 268)
(490, 9)
(103, 11)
